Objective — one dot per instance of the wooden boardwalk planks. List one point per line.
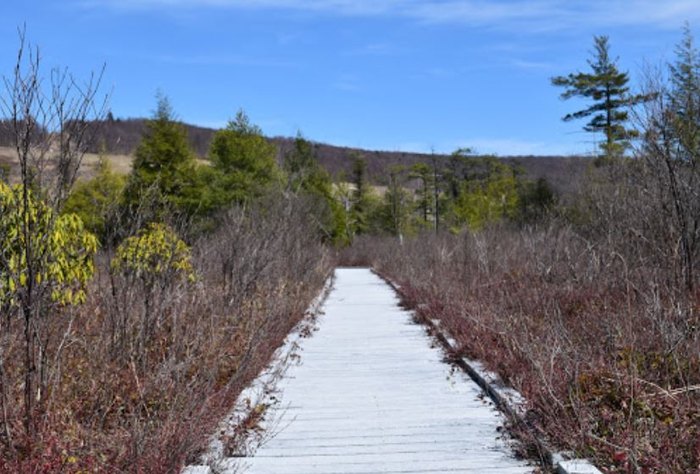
(372, 396)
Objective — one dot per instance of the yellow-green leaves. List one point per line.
(488, 199)
(55, 252)
(73, 264)
(156, 253)
(96, 200)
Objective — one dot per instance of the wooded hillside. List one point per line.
(122, 136)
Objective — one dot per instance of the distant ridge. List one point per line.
(122, 136)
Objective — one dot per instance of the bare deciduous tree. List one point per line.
(51, 125)
(670, 151)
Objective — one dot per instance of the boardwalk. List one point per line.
(372, 396)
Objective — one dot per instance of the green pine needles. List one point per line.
(608, 89)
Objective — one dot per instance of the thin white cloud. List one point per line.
(532, 15)
(484, 13)
(342, 7)
(533, 65)
(668, 14)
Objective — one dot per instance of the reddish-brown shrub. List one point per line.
(120, 402)
(604, 347)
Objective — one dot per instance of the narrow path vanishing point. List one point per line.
(372, 396)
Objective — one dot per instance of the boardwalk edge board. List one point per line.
(576, 466)
(260, 393)
(506, 399)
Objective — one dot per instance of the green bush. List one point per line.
(96, 201)
(59, 262)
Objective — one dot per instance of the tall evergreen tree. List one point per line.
(359, 213)
(684, 99)
(244, 162)
(425, 192)
(306, 177)
(164, 170)
(301, 165)
(608, 88)
(396, 210)
(671, 148)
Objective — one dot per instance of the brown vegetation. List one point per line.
(121, 399)
(119, 163)
(597, 337)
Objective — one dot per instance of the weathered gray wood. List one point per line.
(197, 470)
(577, 466)
(371, 395)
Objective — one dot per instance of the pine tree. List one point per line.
(396, 209)
(306, 177)
(301, 165)
(164, 169)
(425, 192)
(96, 201)
(244, 161)
(684, 99)
(608, 88)
(671, 148)
(359, 214)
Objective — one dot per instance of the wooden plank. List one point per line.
(372, 395)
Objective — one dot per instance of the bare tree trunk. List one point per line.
(52, 123)
(28, 372)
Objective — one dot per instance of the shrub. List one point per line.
(603, 346)
(97, 201)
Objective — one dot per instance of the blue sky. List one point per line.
(408, 75)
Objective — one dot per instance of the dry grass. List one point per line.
(140, 376)
(120, 164)
(604, 347)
